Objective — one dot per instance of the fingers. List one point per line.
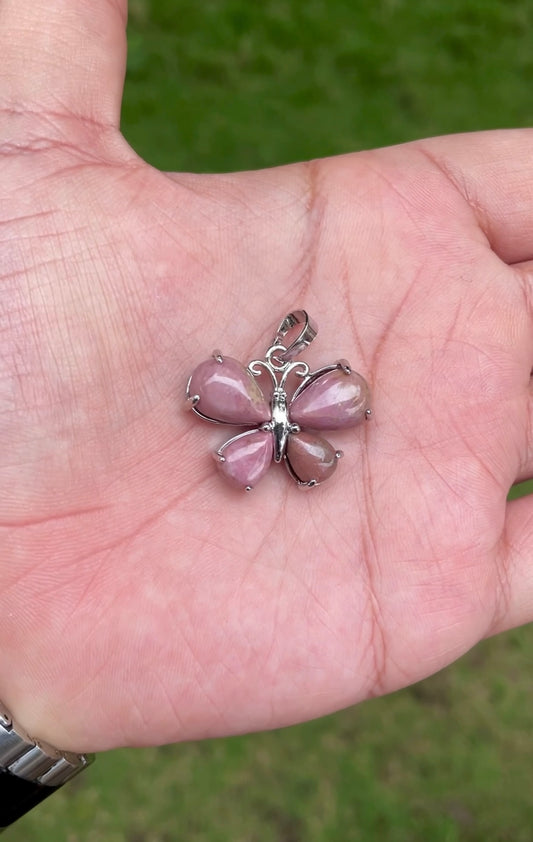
(515, 603)
(494, 171)
(524, 276)
(63, 56)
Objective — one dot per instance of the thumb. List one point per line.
(64, 56)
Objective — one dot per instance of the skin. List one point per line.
(144, 602)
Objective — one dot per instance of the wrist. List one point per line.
(30, 769)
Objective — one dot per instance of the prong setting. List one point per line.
(344, 366)
(223, 391)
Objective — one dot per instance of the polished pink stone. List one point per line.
(228, 392)
(311, 457)
(246, 458)
(331, 402)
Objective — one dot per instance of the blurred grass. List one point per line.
(230, 84)
(448, 760)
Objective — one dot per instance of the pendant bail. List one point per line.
(304, 338)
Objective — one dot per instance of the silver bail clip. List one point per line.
(303, 340)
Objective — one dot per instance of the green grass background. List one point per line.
(233, 84)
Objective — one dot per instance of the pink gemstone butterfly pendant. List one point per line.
(282, 428)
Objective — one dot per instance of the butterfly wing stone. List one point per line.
(227, 392)
(245, 459)
(334, 401)
(311, 459)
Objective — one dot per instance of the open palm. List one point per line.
(142, 600)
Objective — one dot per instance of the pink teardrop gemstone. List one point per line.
(331, 402)
(246, 458)
(311, 457)
(228, 392)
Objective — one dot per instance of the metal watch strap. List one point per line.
(30, 770)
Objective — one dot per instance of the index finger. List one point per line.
(494, 172)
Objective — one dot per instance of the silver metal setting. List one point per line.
(305, 337)
(34, 760)
(279, 365)
(279, 370)
(220, 452)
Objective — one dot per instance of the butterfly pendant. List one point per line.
(282, 428)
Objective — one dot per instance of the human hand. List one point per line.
(143, 601)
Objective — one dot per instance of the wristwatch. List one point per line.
(30, 770)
